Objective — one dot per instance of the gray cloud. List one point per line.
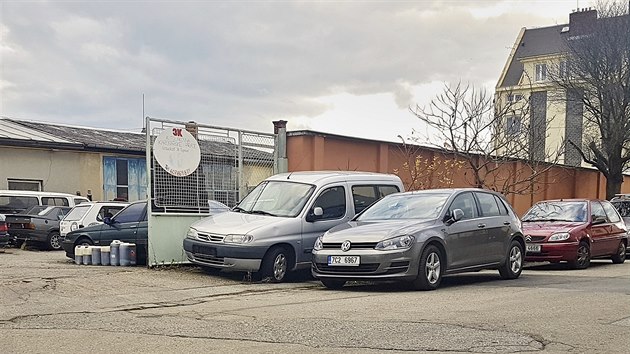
(237, 64)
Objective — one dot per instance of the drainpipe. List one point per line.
(281, 163)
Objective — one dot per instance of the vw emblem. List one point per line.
(345, 246)
(528, 238)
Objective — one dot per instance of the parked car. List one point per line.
(89, 214)
(575, 231)
(421, 236)
(273, 229)
(4, 232)
(13, 201)
(39, 224)
(621, 202)
(128, 225)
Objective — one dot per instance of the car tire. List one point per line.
(333, 284)
(53, 242)
(513, 265)
(83, 241)
(429, 270)
(275, 265)
(620, 256)
(583, 257)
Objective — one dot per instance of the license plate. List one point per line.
(208, 251)
(533, 248)
(344, 260)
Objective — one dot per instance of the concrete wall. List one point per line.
(59, 171)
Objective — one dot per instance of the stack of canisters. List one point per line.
(117, 254)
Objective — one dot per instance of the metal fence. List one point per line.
(232, 163)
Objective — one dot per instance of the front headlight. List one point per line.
(561, 236)
(192, 233)
(238, 239)
(395, 243)
(319, 244)
(74, 226)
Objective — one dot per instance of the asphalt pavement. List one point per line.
(50, 305)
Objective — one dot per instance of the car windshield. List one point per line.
(276, 198)
(406, 206)
(622, 207)
(574, 211)
(77, 213)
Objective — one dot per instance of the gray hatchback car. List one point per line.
(421, 236)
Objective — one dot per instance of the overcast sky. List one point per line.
(343, 67)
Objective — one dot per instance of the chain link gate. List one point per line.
(232, 163)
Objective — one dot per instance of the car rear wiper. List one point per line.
(262, 212)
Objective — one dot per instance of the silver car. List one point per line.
(421, 236)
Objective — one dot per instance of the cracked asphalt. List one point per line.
(50, 305)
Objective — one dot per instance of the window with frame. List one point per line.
(563, 69)
(57, 201)
(133, 213)
(364, 196)
(333, 203)
(502, 207)
(541, 72)
(513, 125)
(597, 210)
(488, 204)
(24, 185)
(611, 212)
(465, 202)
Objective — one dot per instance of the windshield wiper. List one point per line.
(262, 212)
(551, 220)
(238, 209)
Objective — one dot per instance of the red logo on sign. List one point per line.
(177, 131)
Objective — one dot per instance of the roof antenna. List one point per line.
(289, 176)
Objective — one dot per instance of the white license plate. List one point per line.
(533, 248)
(344, 260)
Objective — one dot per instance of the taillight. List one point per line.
(4, 227)
(30, 226)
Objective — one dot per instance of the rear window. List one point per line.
(78, 212)
(14, 204)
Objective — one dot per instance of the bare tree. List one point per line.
(595, 80)
(495, 137)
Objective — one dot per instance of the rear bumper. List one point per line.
(554, 252)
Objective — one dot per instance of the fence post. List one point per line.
(242, 187)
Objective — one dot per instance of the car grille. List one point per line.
(324, 268)
(210, 237)
(353, 245)
(397, 267)
(537, 238)
(207, 259)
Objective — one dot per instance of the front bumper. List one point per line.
(554, 252)
(374, 265)
(225, 256)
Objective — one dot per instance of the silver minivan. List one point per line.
(273, 229)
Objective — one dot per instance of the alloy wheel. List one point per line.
(516, 259)
(54, 242)
(433, 268)
(582, 254)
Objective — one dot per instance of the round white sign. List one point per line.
(177, 151)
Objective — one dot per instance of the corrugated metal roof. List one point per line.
(12, 130)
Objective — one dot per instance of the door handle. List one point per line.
(481, 226)
(506, 223)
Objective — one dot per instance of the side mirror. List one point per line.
(456, 215)
(107, 220)
(316, 214)
(599, 220)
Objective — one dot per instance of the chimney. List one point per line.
(582, 21)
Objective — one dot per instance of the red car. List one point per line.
(574, 231)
